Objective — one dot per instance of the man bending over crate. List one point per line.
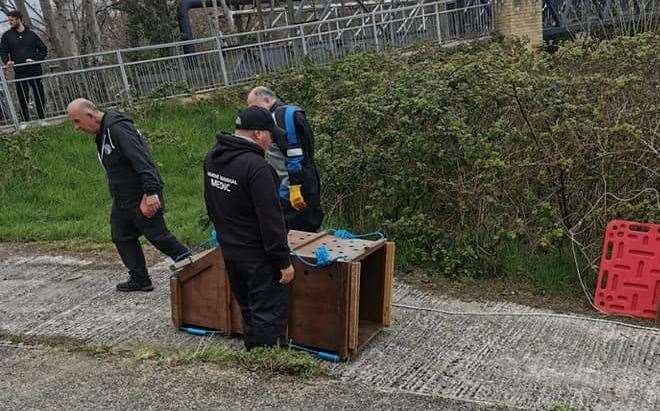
(136, 189)
(240, 189)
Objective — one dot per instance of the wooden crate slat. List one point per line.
(354, 306)
(390, 250)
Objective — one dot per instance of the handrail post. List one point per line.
(124, 77)
(223, 67)
(10, 103)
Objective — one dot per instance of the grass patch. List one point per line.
(274, 361)
(267, 361)
(53, 189)
(552, 273)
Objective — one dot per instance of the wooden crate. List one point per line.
(201, 296)
(341, 307)
(337, 308)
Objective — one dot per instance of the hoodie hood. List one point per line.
(110, 118)
(229, 146)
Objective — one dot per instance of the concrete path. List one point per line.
(425, 360)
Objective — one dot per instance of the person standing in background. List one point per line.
(292, 157)
(20, 45)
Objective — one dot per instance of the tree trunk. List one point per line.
(20, 6)
(215, 27)
(229, 16)
(65, 27)
(92, 30)
(207, 20)
(51, 27)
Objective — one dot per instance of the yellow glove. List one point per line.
(295, 198)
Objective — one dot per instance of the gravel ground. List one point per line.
(51, 379)
(425, 360)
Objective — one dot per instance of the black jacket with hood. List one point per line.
(240, 190)
(308, 176)
(126, 158)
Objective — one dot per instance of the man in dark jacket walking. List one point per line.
(240, 189)
(21, 45)
(136, 189)
(292, 156)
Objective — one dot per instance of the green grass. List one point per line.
(52, 187)
(552, 273)
(265, 361)
(273, 361)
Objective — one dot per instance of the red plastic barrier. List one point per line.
(629, 277)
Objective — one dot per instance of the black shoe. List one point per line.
(132, 285)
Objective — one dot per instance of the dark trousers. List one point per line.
(264, 302)
(23, 91)
(127, 225)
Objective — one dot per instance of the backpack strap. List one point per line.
(293, 150)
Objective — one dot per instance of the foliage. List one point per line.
(150, 22)
(458, 154)
(16, 156)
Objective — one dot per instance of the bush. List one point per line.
(458, 154)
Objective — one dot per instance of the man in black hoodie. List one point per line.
(136, 189)
(21, 45)
(240, 189)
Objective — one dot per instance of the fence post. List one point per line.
(223, 67)
(182, 68)
(392, 29)
(10, 103)
(124, 77)
(373, 23)
(437, 23)
(261, 52)
(304, 43)
(331, 39)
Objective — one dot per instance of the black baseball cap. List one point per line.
(258, 118)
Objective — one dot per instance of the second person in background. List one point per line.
(292, 156)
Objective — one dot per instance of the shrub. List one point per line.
(457, 154)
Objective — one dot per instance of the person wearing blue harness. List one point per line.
(292, 157)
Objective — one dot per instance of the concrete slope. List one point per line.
(529, 361)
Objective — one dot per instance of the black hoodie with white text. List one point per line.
(240, 190)
(125, 156)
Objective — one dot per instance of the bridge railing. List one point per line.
(167, 70)
(565, 16)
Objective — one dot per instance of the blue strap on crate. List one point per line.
(347, 235)
(200, 332)
(323, 355)
(322, 257)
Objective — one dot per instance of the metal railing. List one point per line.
(116, 77)
(566, 16)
